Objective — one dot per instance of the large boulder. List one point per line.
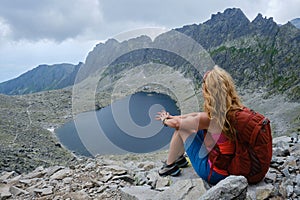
(232, 187)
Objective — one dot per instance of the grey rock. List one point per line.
(61, 174)
(102, 188)
(5, 195)
(294, 137)
(140, 178)
(152, 178)
(270, 177)
(6, 175)
(32, 187)
(97, 183)
(162, 182)
(289, 190)
(277, 140)
(184, 189)
(51, 170)
(138, 193)
(4, 192)
(13, 180)
(116, 170)
(263, 192)
(34, 174)
(17, 191)
(88, 185)
(26, 181)
(286, 172)
(282, 189)
(298, 180)
(282, 144)
(90, 165)
(45, 191)
(106, 177)
(279, 151)
(125, 177)
(232, 187)
(67, 180)
(78, 195)
(297, 190)
(147, 165)
(278, 160)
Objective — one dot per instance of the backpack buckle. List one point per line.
(265, 121)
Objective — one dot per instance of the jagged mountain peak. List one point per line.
(260, 20)
(233, 15)
(226, 26)
(264, 26)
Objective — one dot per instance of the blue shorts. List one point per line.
(198, 156)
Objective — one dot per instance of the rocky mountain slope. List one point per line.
(25, 140)
(41, 78)
(258, 54)
(134, 176)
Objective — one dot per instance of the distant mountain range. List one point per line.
(257, 53)
(41, 78)
(296, 22)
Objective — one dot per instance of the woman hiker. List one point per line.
(220, 98)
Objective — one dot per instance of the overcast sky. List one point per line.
(34, 32)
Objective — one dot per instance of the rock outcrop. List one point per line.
(134, 176)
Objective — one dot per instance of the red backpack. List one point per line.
(253, 146)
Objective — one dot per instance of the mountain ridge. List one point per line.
(42, 78)
(261, 56)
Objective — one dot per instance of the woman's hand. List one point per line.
(163, 115)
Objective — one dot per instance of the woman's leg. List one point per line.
(174, 162)
(176, 148)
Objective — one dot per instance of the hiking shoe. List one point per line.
(182, 162)
(171, 169)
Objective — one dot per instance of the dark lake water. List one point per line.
(128, 125)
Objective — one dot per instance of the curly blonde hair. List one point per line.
(220, 98)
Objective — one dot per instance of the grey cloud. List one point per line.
(56, 19)
(99, 19)
(120, 16)
(167, 12)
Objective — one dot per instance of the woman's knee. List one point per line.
(184, 134)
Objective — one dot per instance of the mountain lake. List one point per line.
(126, 126)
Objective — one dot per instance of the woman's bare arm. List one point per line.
(192, 121)
(185, 115)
